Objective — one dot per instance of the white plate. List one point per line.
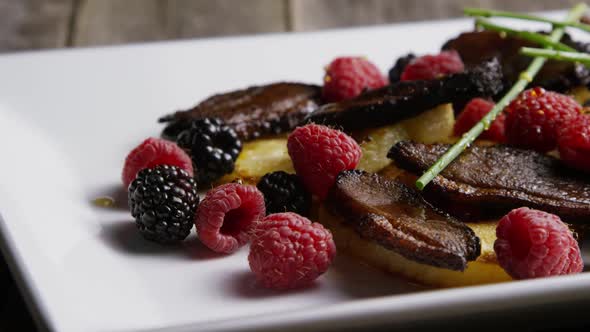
(68, 118)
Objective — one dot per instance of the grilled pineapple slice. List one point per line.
(432, 126)
(259, 157)
(435, 125)
(581, 94)
(481, 271)
(377, 143)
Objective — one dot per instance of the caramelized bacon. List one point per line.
(397, 218)
(488, 181)
(253, 112)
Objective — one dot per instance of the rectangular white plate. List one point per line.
(67, 120)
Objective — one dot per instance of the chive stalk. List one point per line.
(498, 13)
(557, 55)
(537, 38)
(525, 78)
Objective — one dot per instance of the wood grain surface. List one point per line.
(39, 24)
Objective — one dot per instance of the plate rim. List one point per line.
(579, 285)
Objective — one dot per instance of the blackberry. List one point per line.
(173, 128)
(284, 192)
(213, 147)
(396, 71)
(163, 201)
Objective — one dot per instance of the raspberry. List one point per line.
(348, 77)
(153, 152)
(476, 109)
(574, 143)
(532, 244)
(319, 154)
(429, 67)
(396, 71)
(289, 251)
(227, 215)
(534, 118)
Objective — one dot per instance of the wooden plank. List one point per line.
(113, 21)
(34, 24)
(116, 22)
(321, 14)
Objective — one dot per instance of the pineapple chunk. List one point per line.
(580, 93)
(259, 157)
(435, 125)
(377, 144)
(481, 271)
(432, 126)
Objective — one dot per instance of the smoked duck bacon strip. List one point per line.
(397, 218)
(406, 99)
(487, 182)
(253, 112)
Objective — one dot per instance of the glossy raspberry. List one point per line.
(476, 109)
(347, 77)
(535, 117)
(574, 143)
(153, 152)
(227, 215)
(532, 244)
(429, 67)
(319, 154)
(289, 251)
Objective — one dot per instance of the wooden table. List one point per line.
(40, 24)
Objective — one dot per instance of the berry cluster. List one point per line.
(164, 202)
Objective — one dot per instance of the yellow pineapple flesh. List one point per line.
(435, 125)
(581, 94)
(484, 270)
(259, 157)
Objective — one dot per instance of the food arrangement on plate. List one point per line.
(465, 167)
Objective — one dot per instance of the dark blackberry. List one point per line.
(173, 128)
(396, 71)
(284, 192)
(163, 201)
(213, 147)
